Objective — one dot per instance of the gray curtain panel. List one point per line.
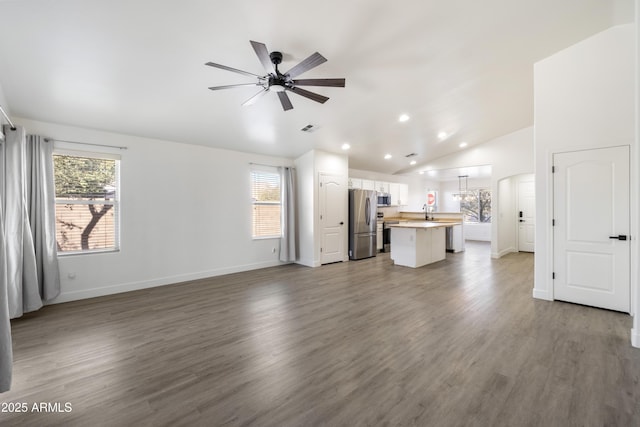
(41, 206)
(6, 354)
(22, 286)
(288, 248)
(29, 223)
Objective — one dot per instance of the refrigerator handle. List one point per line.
(367, 211)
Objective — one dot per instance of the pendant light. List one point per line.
(462, 187)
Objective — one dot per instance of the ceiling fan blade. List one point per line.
(285, 101)
(320, 82)
(255, 97)
(263, 56)
(232, 86)
(311, 95)
(307, 64)
(235, 70)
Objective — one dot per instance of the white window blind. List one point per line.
(265, 197)
(87, 208)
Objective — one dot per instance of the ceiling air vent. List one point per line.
(411, 155)
(307, 128)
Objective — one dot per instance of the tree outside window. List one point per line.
(476, 206)
(86, 203)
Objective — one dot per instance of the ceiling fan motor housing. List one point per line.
(276, 57)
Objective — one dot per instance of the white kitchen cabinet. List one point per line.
(403, 199)
(415, 247)
(355, 183)
(368, 184)
(382, 186)
(394, 192)
(399, 194)
(458, 238)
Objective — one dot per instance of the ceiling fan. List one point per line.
(281, 83)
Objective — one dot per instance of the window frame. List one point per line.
(477, 192)
(272, 171)
(116, 202)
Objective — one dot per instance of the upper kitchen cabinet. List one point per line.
(368, 184)
(394, 192)
(355, 183)
(404, 195)
(382, 187)
(399, 193)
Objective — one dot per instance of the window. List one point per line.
(265, 197)
(476, 205)
(87, 208)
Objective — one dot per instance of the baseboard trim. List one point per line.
(545, 295)
(502, 253)
(635, 338)
(308, 263)
(160, 281)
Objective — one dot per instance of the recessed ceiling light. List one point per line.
(463, 144)
(345, 146)
(403, 118)
(442, 135)
(413, 162)
(421, 172)
(387, 156)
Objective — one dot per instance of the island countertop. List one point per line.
(425, 224)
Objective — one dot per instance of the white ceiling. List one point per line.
(454, 174)
(137, 67)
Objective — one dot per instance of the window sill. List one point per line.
(88, 252)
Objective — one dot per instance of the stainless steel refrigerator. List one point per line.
(363, 213)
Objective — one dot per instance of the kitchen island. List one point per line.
(418, 243)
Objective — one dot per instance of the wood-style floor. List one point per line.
(457, 343)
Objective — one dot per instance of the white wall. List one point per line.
(584, 98)
(186, 214)
(305, 173)
(508, 155)
(446, 202)
(3, 103)
(635, 203)
(507, 212)
(309, 167)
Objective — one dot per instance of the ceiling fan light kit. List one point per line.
(278, 82)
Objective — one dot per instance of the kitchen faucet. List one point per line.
(426, 212)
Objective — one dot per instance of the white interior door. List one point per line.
(591, 242)
(526, 215)
(333, 207)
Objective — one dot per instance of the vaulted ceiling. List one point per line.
(463, 67)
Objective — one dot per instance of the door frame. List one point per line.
(544, 285)
(527, 177)
(555, 176)
(318, 223)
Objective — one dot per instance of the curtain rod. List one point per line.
(86, 143)
(271, 166)
(13, 127)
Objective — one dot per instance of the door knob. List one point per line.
(341, 222)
